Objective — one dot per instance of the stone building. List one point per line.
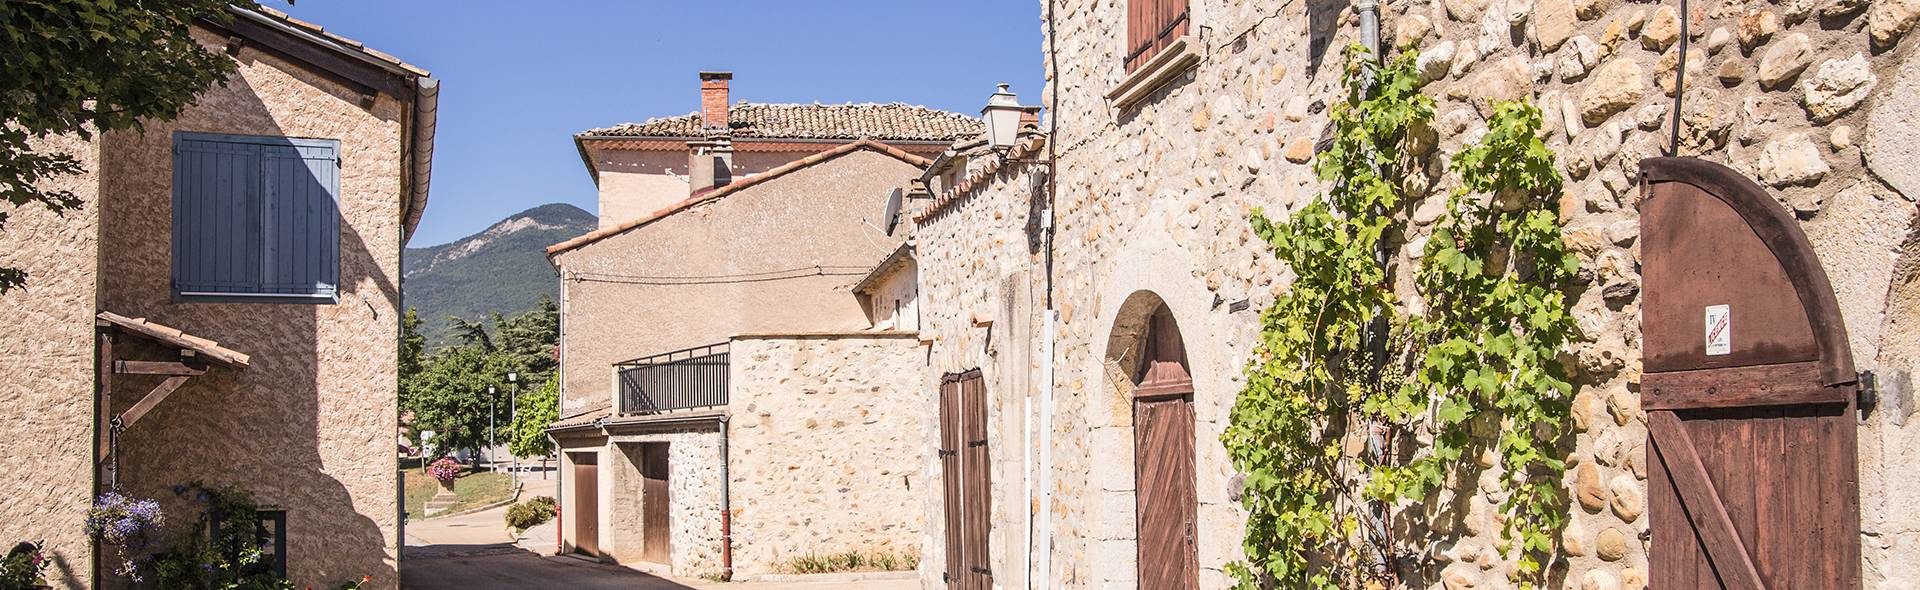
(256, 351)
(729, 405)
(1124, 292)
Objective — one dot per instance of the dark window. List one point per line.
(255, 218)
(270, 532)
(1152, 25)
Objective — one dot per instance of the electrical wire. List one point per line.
(752, 277)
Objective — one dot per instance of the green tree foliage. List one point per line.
(81, 67)
(1475, 371)
(538, 409)
(446, 391)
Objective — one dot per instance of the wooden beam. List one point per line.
(1784, 384)
(153, 398)
(103, 395)
(1701, 502)
(360, 76)
(158, 368)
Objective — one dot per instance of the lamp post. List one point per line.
(1002, 115)
(492, 404)
(513, 419)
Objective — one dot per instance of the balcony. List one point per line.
(678, 380)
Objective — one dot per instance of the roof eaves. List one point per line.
(894, 261)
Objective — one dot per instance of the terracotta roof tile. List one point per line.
(171, 336)
(887, 122)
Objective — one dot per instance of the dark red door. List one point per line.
(1164, 501)
(1748, 388)
(964, 480)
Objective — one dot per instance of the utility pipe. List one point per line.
(726, 506)
(1050, 316)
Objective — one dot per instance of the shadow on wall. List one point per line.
(260, 430)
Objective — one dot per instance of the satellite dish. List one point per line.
(892, 215)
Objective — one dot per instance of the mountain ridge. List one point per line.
(502, 269)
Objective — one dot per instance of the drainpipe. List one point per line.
(1049, 318)
(726, 506)
(1369, 25)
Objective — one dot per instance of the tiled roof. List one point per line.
(1029, 144)
(173, 337)
(887, 122)
(320, 31)
(736, 186)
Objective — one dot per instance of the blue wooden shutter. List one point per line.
(302, 219)
(256, 217)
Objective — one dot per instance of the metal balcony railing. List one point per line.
(678, 380)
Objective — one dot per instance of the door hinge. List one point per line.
(976, 443)
(983, 571)
(1189, 531)
(948, 452)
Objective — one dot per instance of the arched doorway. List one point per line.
(1164, 503)
(1749, 389)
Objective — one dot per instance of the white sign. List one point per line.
(1719, 330)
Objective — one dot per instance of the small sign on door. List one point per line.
(1719, 330)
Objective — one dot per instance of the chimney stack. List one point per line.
(709, 163)
(713, 100)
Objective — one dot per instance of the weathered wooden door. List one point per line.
(1165, 504)
(656, 525)
(586, 503)
(965, 481)
(1748, 388)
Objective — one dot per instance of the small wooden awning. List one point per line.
(173, 337)
(195, 354)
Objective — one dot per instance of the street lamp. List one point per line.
(513, 418)
(492, 403)
(1002, 115)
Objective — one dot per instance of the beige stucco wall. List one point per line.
(894, 304)
(309, 426)
(1154, 198)
(826, 446)
(822, 217)
(636, 183)
(46, 399)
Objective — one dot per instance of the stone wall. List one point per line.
(826, 446)
(309, 426)
(1153, 200)
(979, 258)
(46, 401)
(693, 492)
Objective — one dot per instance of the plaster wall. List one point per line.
(46, 401)
(1154, 197)
(826, 447)
(309, 427)
(636, 183)
(895, 302)
(781, 255)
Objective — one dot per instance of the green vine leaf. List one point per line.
(1342, 365)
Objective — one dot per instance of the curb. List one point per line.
(511, 498)
(840, 577)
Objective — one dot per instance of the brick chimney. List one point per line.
(713, 99)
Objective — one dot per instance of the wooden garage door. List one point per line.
(586, 503)
(656, 522)
(964, 480)
(1749, 391)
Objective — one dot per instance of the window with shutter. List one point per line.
(1152, 25)
(255, 218)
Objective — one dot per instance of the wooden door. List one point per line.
(586, 503)
(656, 525)
(1749, 391)
(1164, 500)
(965, 483)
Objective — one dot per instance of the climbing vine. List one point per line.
(1359, 409)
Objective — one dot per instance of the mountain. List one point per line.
(501, 270)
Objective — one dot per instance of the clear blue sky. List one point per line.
(519, 78)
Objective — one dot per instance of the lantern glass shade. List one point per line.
(513, 377)
(1002, 115)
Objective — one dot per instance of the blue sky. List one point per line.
(519, 78)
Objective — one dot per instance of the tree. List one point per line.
(449, 397)
(446, 390)
(413, 345)
(79, 67)
(538, 409)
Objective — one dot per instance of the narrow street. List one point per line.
(474, 552)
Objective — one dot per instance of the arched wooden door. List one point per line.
(1165, 506)
(1748, 388)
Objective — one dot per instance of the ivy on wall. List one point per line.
(1344, 433)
